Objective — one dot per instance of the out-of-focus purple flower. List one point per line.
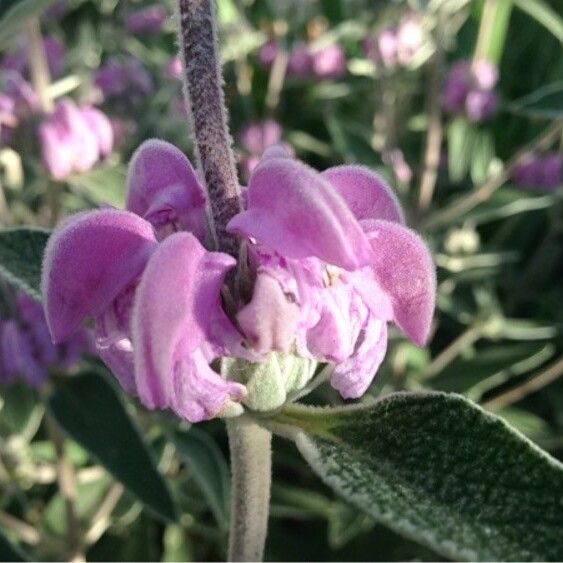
(410, 37)
(322, 250)
(268, 53)
(540, 171)
(18, 61)
(300, 61)
(396, 159)
(255, 138)
(124, 80)
(57, 11)
(469, 88)
(73, 139)
(146, 20)
(175, 68)
(26, 100)
(329, 62)
(396, 46)
(26, 350)
(480, 104)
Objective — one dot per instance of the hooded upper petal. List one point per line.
(88, 261)
(177, 321)
(367, 194)
(294, 211)
(164, 189)
(404, 269)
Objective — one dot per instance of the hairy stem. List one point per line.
(206, 105)
(251, 467)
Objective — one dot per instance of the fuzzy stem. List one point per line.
(251, 467)
(206, 105)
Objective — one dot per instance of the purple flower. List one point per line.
(540, 172)
(73, 139)
(300, 61)
(124, 80)
(146, 20)
(410, 37)
(329, 62)
(26, 349)
(175, 68)
(469, 88)
(18, 61)
(322, 249)
(268, 53)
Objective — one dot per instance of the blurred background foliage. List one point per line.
(145, 487)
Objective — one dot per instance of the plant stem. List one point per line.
(251, 467)
(206, 105)
(434, 132)
(67, 487)
(38, 65)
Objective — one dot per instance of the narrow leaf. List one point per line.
(545, 102)
(544, 14)
(439, 470)
(209, 469)
(21, 255)
(16, 15)
(89, 410)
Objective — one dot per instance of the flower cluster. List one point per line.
(146, 20)
(470, 90)
(540, 171)
(255, 138)
(396, 46)
(325, 62)
(329, 262)
(74, 139)
(124, 80)
(26, 349)
(18, 61)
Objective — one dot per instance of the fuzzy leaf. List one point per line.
(439, 470)
(21, 255)
(89, 410)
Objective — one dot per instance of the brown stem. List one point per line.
(206, 105)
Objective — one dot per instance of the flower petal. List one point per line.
(177, 317)
(270, 319)
(367, 194)
(353, 376)
(403, 266)
(294, 211)
(164, 189)
(89, 259)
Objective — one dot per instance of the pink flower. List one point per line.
(73, 139)
(268, 53)
(329, 62)
(174, 68)
(146, 20)
(300, 61)
(322, 251)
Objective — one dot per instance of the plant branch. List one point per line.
(206, 106)
(539, 381)
(40, 75)
(67, 487)
(251, 467)
(486, 190)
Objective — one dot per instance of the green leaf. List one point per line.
(461, 140)
(481, 156)
(545, 102)
(209, 469)
(8, 551)
(544, 14)
(16, 15)
(21, 256)
(439, 470)
(89, 410)
(20, 410)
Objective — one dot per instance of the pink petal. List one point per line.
(294, 211)
(163, 188)
(270, 319)
(89, 259)
(353, 376)
(367, 194)
(178, 317)
(404, 269)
